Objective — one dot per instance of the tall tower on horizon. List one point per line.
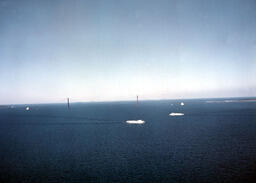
(68, 102)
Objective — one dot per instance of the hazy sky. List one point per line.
(115, 49)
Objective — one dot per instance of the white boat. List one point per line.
(176, 114)
(135, 121)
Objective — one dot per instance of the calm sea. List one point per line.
(215, 141)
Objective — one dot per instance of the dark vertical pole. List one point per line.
(68, 102)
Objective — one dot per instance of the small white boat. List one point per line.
(135, 121)
(176, 114)
(181, 103)
(27, 108)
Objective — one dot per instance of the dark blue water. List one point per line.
(212, 142)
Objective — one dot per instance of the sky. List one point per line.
(114, 50)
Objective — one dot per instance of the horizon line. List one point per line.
(106, 101)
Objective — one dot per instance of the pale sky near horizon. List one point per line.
(114, 50)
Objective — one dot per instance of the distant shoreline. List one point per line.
(208, 100)
(228, 101)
